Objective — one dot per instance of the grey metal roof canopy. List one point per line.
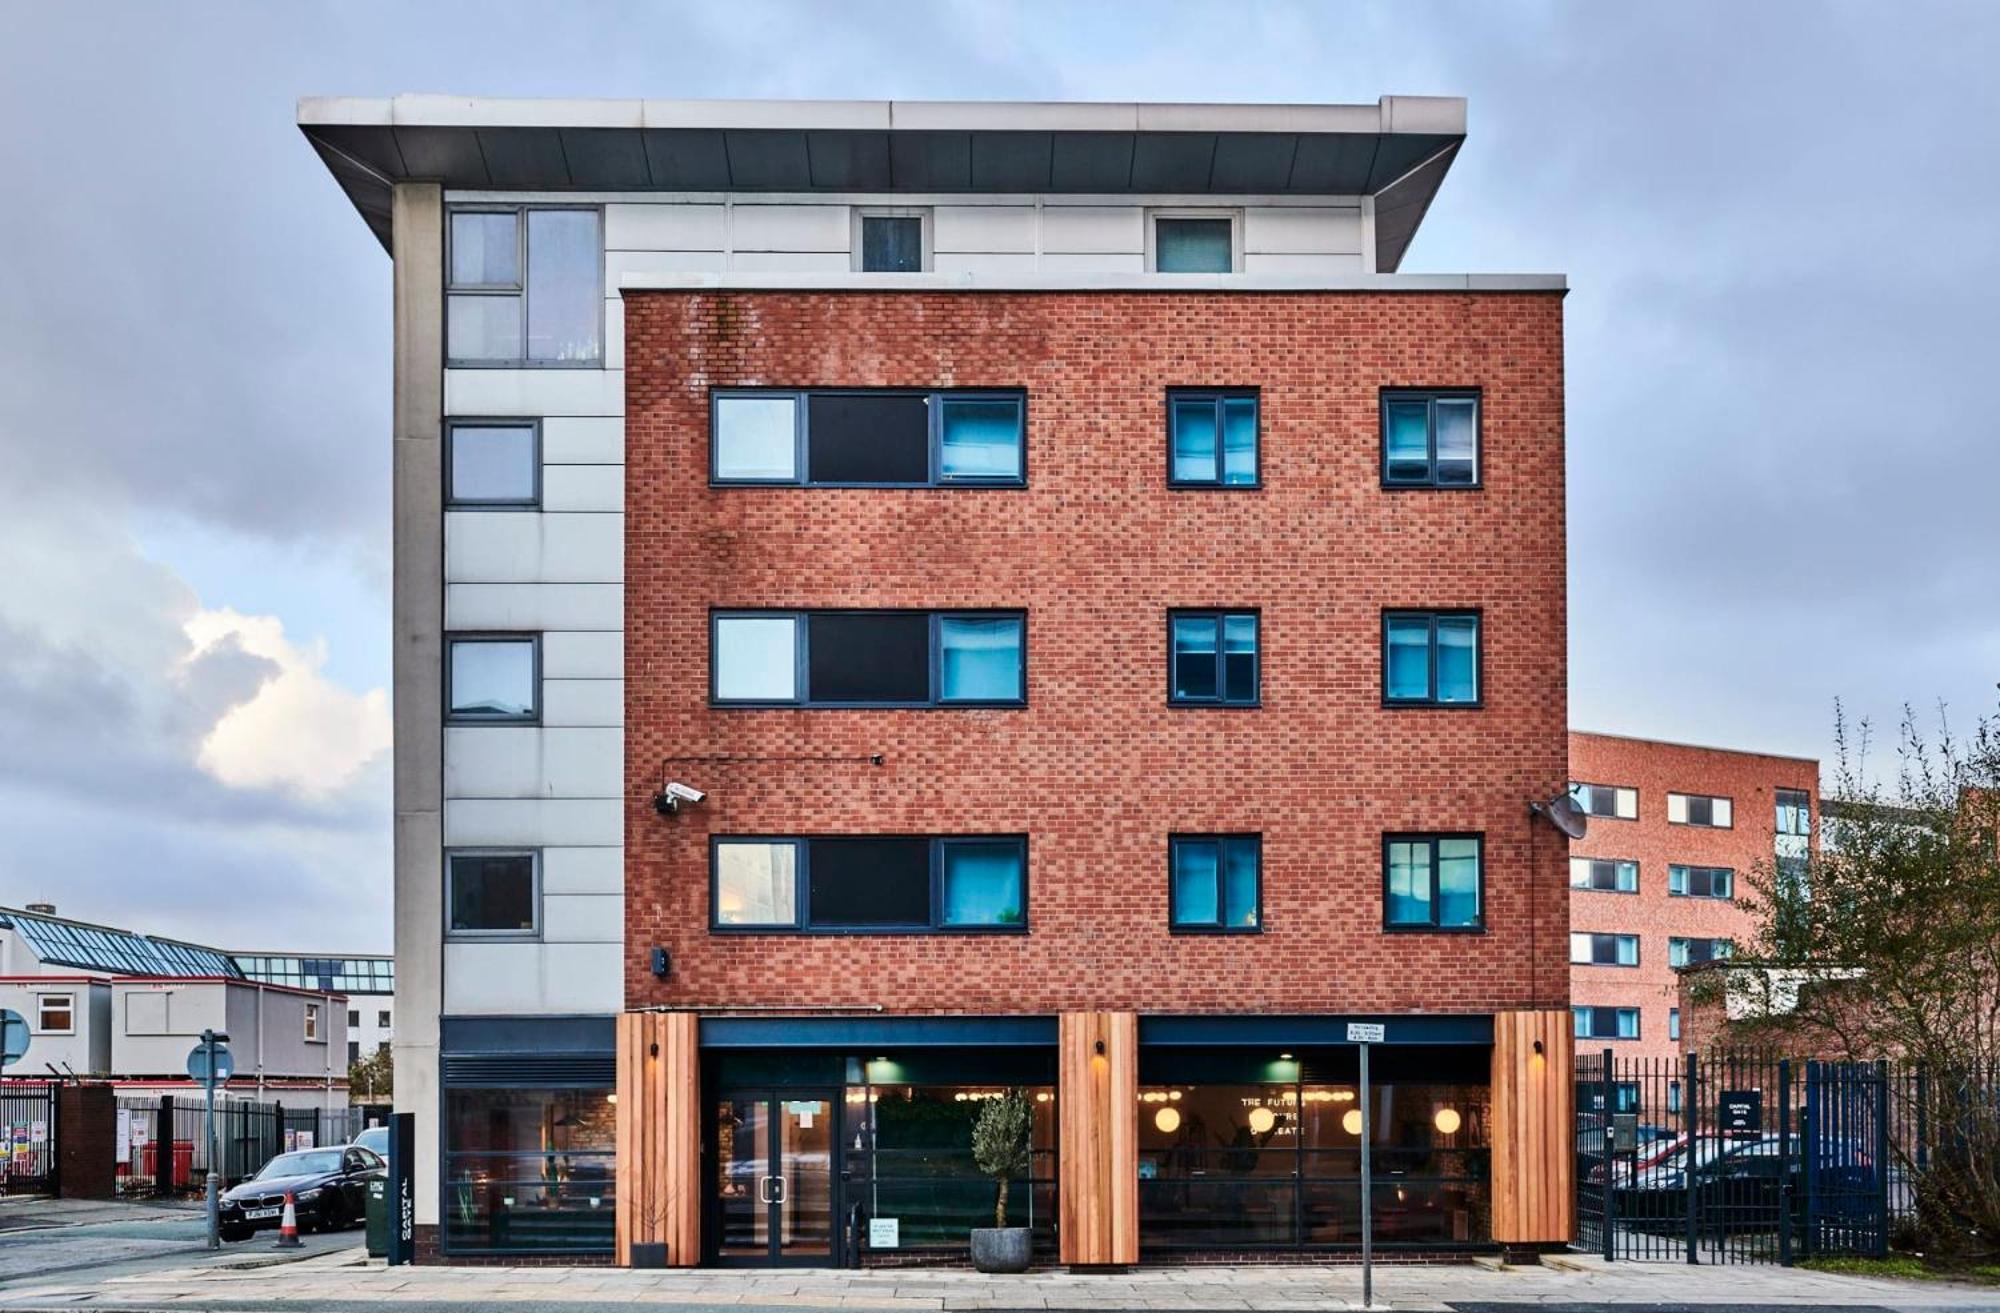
(1396, 151)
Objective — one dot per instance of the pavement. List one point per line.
(87, 1240)
(346, 1281)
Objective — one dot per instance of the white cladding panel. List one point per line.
(494, 393)
(527, 761)
(1261, 263)
(532, 978)
(984, 228)
(584, 702)
(755, 227)
(534, 823)
(510, 547)
(583, 871)
(583, 918)
(593, 655)
(1093, 228)
(1301, 230)
(534, 606)
(583, 440)
(663, 227)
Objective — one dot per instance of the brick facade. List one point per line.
(1097, 769)
(1750, 781)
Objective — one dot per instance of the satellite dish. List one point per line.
(1564, 814)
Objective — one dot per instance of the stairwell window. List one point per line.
(1194, 242)
(892, 241)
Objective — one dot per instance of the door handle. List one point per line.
(778, 1184)
(764, 1189)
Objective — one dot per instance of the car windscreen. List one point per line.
(315, 1162)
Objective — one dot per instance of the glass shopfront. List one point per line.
(1242, 1152)
(528, 1170)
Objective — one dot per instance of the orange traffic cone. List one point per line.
(288, 1226)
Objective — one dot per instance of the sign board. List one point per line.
(225, 1064)
(305, 1139)
(291, 1141)
(1740, 1110)
(885, 1232)
(1365, 1032)
(124, 1135)
(1624, 1132)
(13, 1037)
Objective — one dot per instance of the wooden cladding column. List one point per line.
(659, 1136)
(1098, 1148)
(1534, 1128)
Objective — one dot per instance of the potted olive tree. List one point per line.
(1002, 1138)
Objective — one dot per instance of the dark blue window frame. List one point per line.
(935, 399)
(1429, 399)
(1222, 697)
(1218, 399)
(1683, 879)
(1223, 844)
(802, 668)
(1584, 1016)
(802, 923)
(1431, 619)
(1432, 927)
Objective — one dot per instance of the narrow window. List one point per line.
(492, 894)
(1430, 439)
(1701, 882)
(492, 464)
(354, 1018)
(1214, 882)
(382, 1020)
(1674, 1033)
(1606, 875)
(312, 1034)
(1213, 658)
(1603, 950)
(525, 287)
(1212, 439)
(1606, 800)
(1430, 658)
(892, 243)
(55, 1014)
(1204, 245)
(492, 679)
(1432, 882)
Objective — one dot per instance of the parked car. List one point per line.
(375, 1140)
(329, 1189)
(1737, 1184)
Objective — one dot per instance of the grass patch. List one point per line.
(1908, 1266)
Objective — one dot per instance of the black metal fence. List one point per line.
(1747, 1158)
(28, 1132)
(163, 1148)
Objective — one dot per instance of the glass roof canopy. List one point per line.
(120, 952)
(338, 975)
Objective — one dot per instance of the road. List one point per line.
(96, 1240)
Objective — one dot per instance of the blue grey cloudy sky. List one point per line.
(1778, 221)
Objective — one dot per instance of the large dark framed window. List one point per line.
(868, 658)
(1430, 659)
(493, 894)
(1215, 882)
(1612, 875)
(1430, 438)
(1603, 950)
(1605, 1022)
(1607, 801)
(524, 287)
(1213, 658)
(860, 884)
(1434, 882)
(892, 241)
(1212, 438)
(874, 438)
(1701, 882)
(493, 679)
(493, 464)
(529, 1166)
(1685, 952)
(1700, 809)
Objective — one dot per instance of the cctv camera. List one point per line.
(685, 794)
(668, 800)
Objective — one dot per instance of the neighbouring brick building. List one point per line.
(935, 599)
(1674, 832)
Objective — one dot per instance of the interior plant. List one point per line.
(1002, 1148)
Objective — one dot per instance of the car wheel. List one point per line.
(332, 1215)
(235, 1233)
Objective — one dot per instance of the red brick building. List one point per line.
(1655, 884)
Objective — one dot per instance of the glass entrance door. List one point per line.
(774, 1165)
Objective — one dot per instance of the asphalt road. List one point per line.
(47, 1238)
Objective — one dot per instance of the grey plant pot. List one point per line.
(649, 1255)
(1000, 1248)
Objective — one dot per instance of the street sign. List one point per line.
(13, 1037)
(1740, 1110)
(1365, 1032)
(225, 1064)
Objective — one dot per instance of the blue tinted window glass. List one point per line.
(980, 659)
(1239, 883)
(1239, 440)
(1458, 659)
(1458, 882)
(1195, 675)
(1196, 871)
(1407, 435)
(1239, 658)
(1409, 886)
(1192, 246)
(1457, 441)
(982, 884)
(1409, 657)
(980, 439)
(1194, 441)
(892, 244)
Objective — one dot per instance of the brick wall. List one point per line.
(1097, 769)
(1750, 781)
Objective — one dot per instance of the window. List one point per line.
(531, 1165)
(869, 658)
(1213, 882)
(1674, 1030)
(1701, 882)
(526, 287)
(1793, 842)
(1605, 1023)
(1608, 875)
(353, 1052)
(492, 463)
(1596, 950)
(55, 1014)
(1432, 882)
(382, 1021)
(313, 1035)
(1430, 658)
(492, 894)
(862, 883)
(1692, 952)
(1212, 439)
(1608, 801)
(872, 439)
(1194, 243)
(354, 1018)
(1430, 439)
(1212, 658)
(1674, 1086)
(893, 241)
(492, 678)
(1696, 809)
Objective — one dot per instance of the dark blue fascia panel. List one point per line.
(574, 1034)
(874, 1032)
(1310, 1031)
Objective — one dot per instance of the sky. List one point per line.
(1778, 222)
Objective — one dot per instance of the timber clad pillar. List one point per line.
(1534, 1128)
(659, 1136)
(1098, 1149)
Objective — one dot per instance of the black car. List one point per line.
(329, 1189)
